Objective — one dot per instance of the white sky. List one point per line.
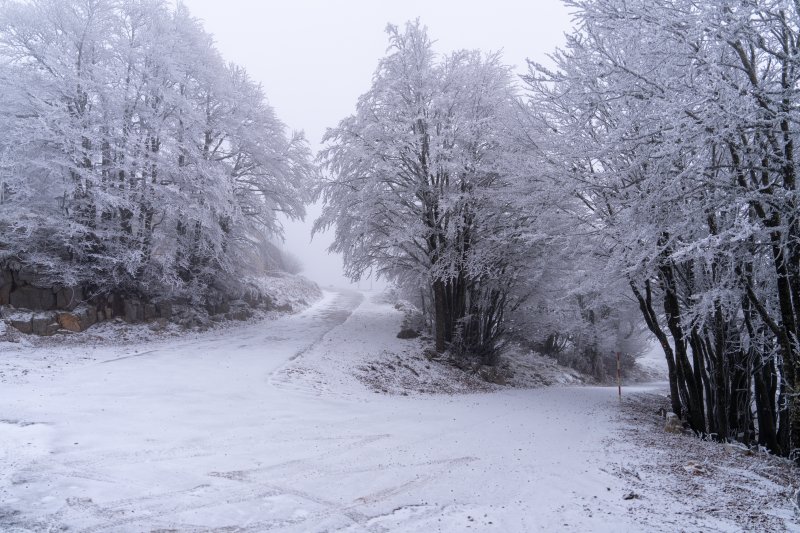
(315, 57)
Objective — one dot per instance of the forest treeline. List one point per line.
(643, 180)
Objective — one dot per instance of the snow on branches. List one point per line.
(421, 184)
(675, 121)
(133, 156)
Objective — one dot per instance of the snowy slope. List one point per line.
(265, 427)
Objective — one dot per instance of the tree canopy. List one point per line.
(133, 157)
(421, 184)
(675, 123)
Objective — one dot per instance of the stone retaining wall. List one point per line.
(41, 310)
(28, 304)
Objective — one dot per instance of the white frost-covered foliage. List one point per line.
(675, 123)
(132, 156)
(421, 184)
(577, 309)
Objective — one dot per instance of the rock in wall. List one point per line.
(30, 305)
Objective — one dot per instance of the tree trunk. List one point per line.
(651, 319)
(440, 315)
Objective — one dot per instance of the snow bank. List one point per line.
(530, 369)
(679, 482)
(367, 349)
(287, 292)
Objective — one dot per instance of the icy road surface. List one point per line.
(223, 433)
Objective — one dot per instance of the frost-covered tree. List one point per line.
(421, 183)
(675, 123)
(134, 158)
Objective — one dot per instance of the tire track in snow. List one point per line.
(231, 490)
(244, 487)
(336, 313)
(284, 376)
(248, 474)
(317, 320)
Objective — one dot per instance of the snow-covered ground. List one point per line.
(270, 426)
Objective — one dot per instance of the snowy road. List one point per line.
(226, 432)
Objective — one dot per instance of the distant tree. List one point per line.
(421, 183)
(578, 309)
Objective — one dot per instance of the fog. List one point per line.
(315, 57)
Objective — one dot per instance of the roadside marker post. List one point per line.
(619, 377)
